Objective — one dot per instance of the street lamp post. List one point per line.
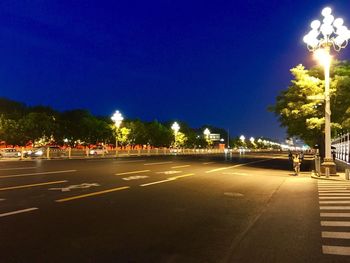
(207, 134)
(117, 118)
(175, 127)
(322, 36)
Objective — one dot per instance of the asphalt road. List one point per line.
(168, 209)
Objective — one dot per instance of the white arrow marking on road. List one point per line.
(136, 177)
(77, 186)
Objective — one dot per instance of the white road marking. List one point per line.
(233, 194)
(136, 177)
(333, 188)
(341, 235)
(158, 182)
(334, 207)
(334, 194)
(233, 173)
(335, 223)
(333, 197)
(237, 165)
(17, 168)
(333, 191)
(207, 163)
(29, 174)
(76, 186)
(134, 172)
(335, 202)
(157, 163)
(336, 250)
(132, 161)
(2, 199)
(334, 214)
(18, 211)
(180, 166)
(169, 172)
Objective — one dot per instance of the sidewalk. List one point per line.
(341, 166)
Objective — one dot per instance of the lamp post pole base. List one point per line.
(328, 163)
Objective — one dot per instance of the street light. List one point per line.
(242, 138)
(207, 134)
(117, 118)
(322, 36)
(252, 140)
(175, 127)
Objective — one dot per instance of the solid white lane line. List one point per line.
(157, 182)
(341, 235)
(334, 207)
(335, 202)
(132, 161)
(29, 174)
(180, 166)
(207, 163)
(17, 168)
(157, 163)
(333, 188)
(18, 211)
(333, 197)
(237, 165)
(335, 223)
(336, 250)
(134, 172)
(334, 214)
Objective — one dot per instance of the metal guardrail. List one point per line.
(342, 147)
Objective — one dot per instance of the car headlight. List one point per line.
(18, 154)
(39, 153)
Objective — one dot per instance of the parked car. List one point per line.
(55, 151)
(98, 150)
(9, 152)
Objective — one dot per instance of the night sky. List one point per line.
(203, 62)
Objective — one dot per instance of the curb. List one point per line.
(327, 179)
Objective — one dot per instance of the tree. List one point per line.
(304, 117)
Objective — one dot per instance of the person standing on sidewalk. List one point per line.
(296, 164)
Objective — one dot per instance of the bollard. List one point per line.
(157, 151)
(139, 152)
(347, 174)
(69, 152)
(128, 151)
(48, 152)
(148, 151)
(87, 152)
(22, 153)
(327, 172)
(116, 152)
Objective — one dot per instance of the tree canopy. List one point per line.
(300, 107)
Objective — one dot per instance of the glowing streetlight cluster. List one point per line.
(117, 118)
(330, 32)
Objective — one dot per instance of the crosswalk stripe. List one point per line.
(333, 197)
(336, 250)
(341, 235)
(335, 223)
(335, 202)
(334, 194)
(334, 214)
(334, 207)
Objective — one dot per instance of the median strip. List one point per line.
(31, 185)
(134, 172)
(92, 194)
(30, 174)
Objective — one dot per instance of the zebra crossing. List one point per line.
(334, 202)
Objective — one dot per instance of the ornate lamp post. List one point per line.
(175, 127)
(322, 36)
(206, 132)
(117, 118)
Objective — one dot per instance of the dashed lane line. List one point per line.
(157, 163)
(180, 166)
(18, 212)
(17, 168)
(41, 173)
(32, 185)
(134, 172)
(92, 194)
(237, 165)
(208, 163)
(166, 180)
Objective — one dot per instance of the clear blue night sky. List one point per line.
(216, 62)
